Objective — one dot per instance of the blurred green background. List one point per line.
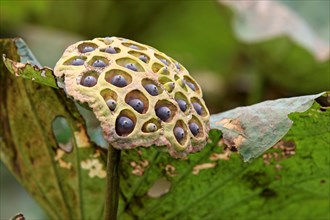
(223, 45)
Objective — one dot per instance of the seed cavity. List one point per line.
(194, 128)
(86, 47)
(77, 62)
(179, 134)
(165, 110)
(131, 66)
(111, 50)
(125, 123)
(164, 113)
(151, 126)
(118, 78)
(89, 79)
(151, 89)
(99, 63)
(110, 98)
(182, 104)
(144, 58)
(111, 104)
(134, 46)
(138, 101)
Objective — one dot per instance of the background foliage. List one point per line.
(202, 35)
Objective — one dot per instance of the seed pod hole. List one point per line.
(141, 56)
(98, 61)
(177, 66)
(151, 126)
(165, 110)
(182, 101)
(138, 101)
(111, 50)
(130, 64)
(195, 127)
(125, 123)
(134, 46)
(86, 47)
(162, 59)
(180, 132)
(156, 67)
(198, 106)
(89, 79)
(110, 98)
(164, 71)
(151, 87)
(118, 78)
(76, 61)
(191, 84)
(168, 84)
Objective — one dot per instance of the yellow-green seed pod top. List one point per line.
(141, 96)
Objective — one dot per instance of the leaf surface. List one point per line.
(254, 129)
(68, 185)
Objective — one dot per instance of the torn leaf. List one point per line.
(33, 72)
(254, 129)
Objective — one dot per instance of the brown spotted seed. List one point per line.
(140, 95)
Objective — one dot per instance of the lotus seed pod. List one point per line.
(141, 96)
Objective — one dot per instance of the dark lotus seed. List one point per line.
(179, 133)
(198, 108)
(194, 128)
(124, 125)
(151, 89)
(77, 62)
(137, 104)
(119, 81)
(131, 67)
(87, 49)
(164, 61)
(143, 58)
(182, 104)
(99, 63)
(110, 50)
(111, 104)
(89, 81)
(134, 47)
(191, 85)
(164, 113)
